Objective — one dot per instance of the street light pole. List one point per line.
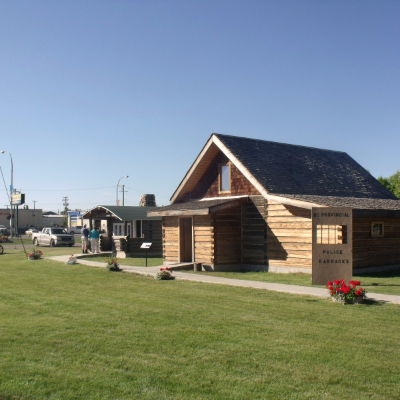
(127, 176)
(11, 192)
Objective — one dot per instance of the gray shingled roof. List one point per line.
(353, 202)
(193, 205)
(287, 169)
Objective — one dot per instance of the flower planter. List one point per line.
(71, 262)
(32, 258)
(357, 300)
(346, 294)
(164, 275)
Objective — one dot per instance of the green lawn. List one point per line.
(75, 332)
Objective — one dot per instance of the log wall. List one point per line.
(152, 231)
(228, 226)
(289, 236)
(371, 251)
(203, 232)
(170, 232)
(254, 231)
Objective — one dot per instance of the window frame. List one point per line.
(228, 164)
(373, 234)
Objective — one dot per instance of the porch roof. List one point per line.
(200, 207)
(123, 213)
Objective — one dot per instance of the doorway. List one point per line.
(185, 239)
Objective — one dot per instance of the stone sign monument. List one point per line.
(332, 256)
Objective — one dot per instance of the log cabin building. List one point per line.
(127, 228)
(248, 204)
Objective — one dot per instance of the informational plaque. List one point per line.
(145, 245)
(332, 255)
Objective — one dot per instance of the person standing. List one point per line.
(95, 239)
(85, 239)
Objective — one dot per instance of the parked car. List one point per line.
(75, 229)
(4, 230)
(30, 231)
(53, 237)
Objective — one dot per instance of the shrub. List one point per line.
(112, 264)
(4, 239)
(164, 274)
(35, 254)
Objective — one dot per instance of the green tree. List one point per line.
(392, 183)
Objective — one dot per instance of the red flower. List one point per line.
(329, 283)
(336, 282)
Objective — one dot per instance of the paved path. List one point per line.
(277, 287)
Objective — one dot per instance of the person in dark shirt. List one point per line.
(85, 239)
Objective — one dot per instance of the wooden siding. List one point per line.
(371, 251)
(208, 185)
(203, 236)
(289, 236)
(228, 236)
(254, 231)
(170, 232)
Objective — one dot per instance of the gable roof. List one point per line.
(283, 169)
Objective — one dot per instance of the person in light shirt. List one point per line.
(95, 239)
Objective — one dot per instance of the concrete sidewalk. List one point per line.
(277, 287)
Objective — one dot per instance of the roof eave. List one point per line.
(293, 202)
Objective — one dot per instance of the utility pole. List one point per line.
(34, 204)
(65, 204)
(123, 195)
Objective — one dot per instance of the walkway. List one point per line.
(277, 287)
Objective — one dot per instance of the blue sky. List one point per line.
(91, 91)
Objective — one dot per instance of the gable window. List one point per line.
(225, 178)
(377, 229)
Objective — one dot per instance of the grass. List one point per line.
(70, 332)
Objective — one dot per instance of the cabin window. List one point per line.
(224, 178)
(118, 229)
(377, 229)
(331, 234)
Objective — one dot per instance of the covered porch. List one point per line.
(125, 228)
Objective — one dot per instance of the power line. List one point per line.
(62, 190)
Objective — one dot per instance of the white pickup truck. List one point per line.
(53, 237)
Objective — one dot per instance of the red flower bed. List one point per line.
(346, 293)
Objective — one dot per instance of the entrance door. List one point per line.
(129, 229)
(185, 239)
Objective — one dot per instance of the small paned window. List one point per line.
(224, 178)
(377, 229)
(331, 234)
